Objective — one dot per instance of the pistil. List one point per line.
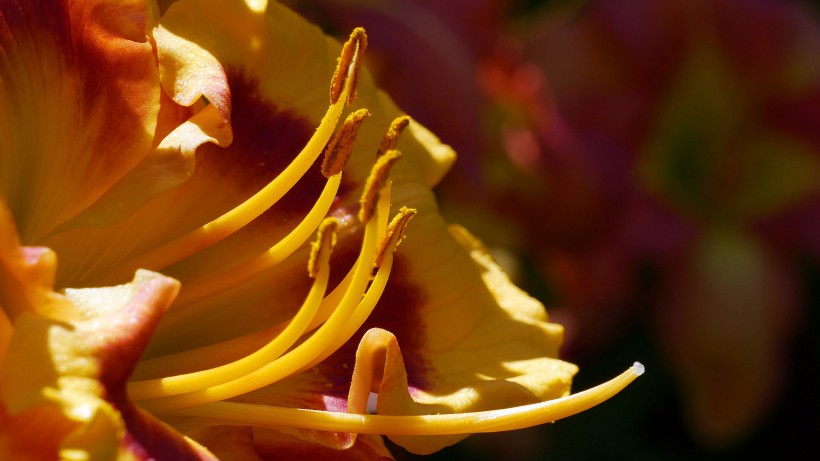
(506, 419)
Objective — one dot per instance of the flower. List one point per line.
(190, 144)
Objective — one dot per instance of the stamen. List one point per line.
(343, 83)
(356, 319)
(461, 423)
(338, 151)
(321, 247)
(382, 213)
(291, 362)
(333, 299)
(377, 179)
(336, 156)
(390, 241)
(395, 233)
(347, 67)
(319, 268)
(391, 138)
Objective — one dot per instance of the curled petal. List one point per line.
(26, 273)
(72, 373)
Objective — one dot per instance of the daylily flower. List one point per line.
(201, 144)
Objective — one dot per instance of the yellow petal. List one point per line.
(469, 339)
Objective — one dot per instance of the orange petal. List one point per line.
(276, 445)
(78, 104)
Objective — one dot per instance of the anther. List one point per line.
(391, 138)
(347, 66)
(338, 150)
(325, 241)
(395, 233)
(377, 179)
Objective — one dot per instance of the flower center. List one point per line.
(325, 321)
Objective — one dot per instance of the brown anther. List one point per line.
(394, 233)
(391, 138)
(352, 53)
(322, 245)
(377, 179)
(338, 150)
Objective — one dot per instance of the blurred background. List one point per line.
(650, 170)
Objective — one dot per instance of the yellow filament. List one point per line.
(360, 315)
(190, 382)
(377, 286)
(202, 357)
(292, 361)
(460, 423)
(390, 241)
(204, 287)
(334, 298)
